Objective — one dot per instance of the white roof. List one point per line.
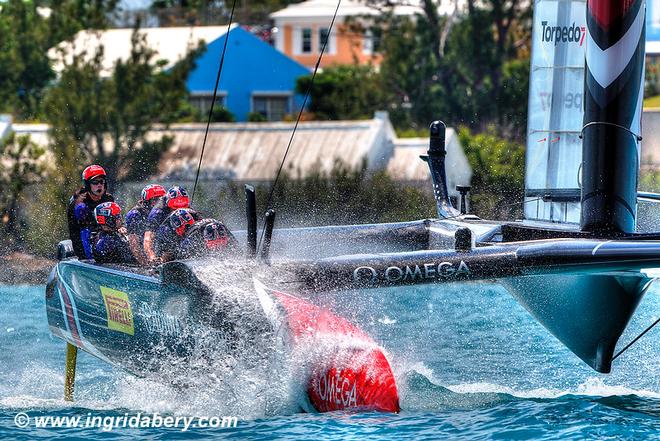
(406, 165)
(326, 9)
(170, 44)
(253, 151)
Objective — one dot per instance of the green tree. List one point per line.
(411, 72)
(344, 92)
(213, 12)
(70, 16)
(106, 120)
(29, 29)
(487, 66)
(497, 173)
(22, 164)
(24, 66)
(466, 69)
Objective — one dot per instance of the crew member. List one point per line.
(172, 232)
(175, 198)
(80, 211)
(109, 243)
(136, 219)
(208, 237)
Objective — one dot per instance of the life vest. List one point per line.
(111, 248)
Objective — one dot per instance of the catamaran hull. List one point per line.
(157, 329)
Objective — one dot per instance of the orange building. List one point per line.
(301, 29)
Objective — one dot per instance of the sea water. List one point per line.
(470, 363)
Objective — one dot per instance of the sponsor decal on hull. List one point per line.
(337, 389)
(158, 323)
(118, 310)
(411, 273)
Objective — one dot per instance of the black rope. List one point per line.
(635, 339)
(302, 109)
(215, 93)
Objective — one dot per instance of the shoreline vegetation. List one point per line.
(19, 268)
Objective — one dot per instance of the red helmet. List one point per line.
(177, 197)
(108, 214)
(152, 191)
(91, 172)
(215, 236)
(180, 220)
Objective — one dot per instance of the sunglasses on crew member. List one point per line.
(97, 181)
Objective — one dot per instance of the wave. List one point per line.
(421, 391)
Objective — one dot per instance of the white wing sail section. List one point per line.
(556, 91)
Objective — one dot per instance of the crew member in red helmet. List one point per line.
(136, 219)
(175, 198)
(208, 237)
(80, 211)
(171, 232)
(109, 243)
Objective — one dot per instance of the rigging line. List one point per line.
(637, 137)
(302, 108)
(215, 94)
(635, 339)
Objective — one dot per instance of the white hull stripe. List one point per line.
(593, 253)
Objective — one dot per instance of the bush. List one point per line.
(342, 196)
(344, 92)
(222, 114)
(256, 117)
(43, 211)
(498, 168)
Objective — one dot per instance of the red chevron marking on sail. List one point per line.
(606, 12)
